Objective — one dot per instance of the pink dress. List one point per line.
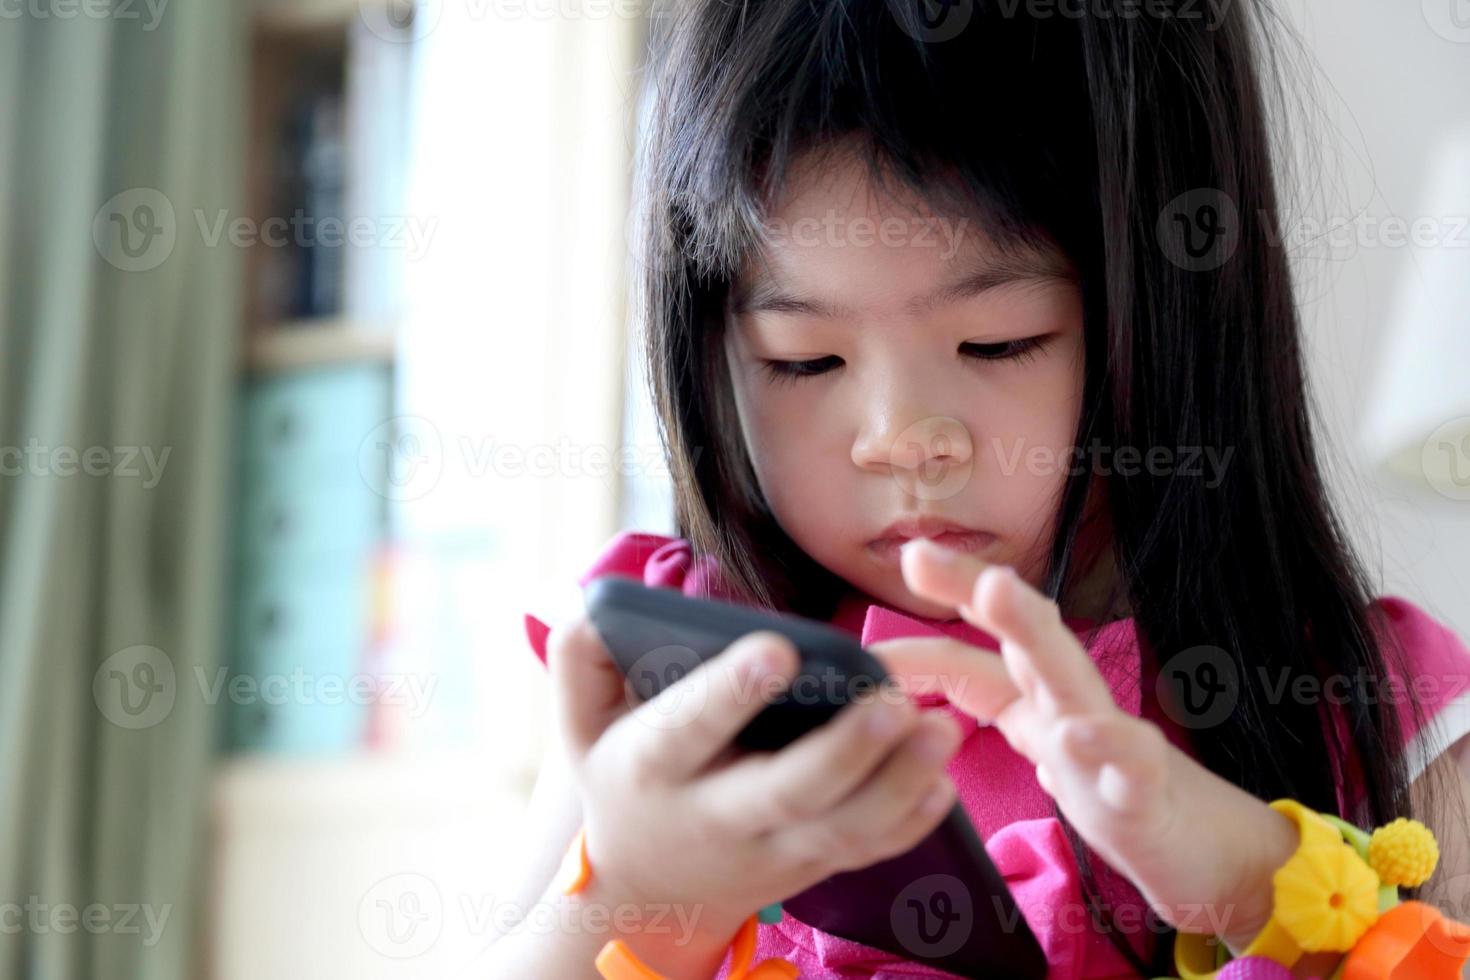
(997, 786)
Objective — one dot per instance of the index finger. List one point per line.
(974, 680)
(1045, 652)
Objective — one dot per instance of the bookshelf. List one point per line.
(326, 178)
(288, 347)
(297, 18)
(330, 95)
(301, 802)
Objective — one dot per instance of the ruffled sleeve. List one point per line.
(1435, 677)
(1439, 681)
(653, 559)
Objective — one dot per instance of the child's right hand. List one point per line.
(672, 814)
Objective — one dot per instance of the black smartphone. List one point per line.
(942, 903)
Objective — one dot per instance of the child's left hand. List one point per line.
(1199, 848)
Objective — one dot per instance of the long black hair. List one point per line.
(1136, 137)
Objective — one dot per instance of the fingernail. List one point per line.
(882, 721)
(1113, 786)
(935, 746)
(761, 662)
(941, 554)
(936, 799)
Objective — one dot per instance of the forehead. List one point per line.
(838, 241)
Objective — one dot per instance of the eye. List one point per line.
(791, 371)
(1022, 350)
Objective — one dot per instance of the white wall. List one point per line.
(1387, 77)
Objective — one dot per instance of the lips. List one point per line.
(944, 532)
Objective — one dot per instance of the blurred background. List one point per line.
(317, 373)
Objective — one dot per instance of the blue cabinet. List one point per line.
(308, 523)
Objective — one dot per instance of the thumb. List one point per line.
(587, 687)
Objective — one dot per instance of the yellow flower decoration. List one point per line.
(1326, 897)
(1403, 852)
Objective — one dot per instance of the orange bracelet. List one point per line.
(617, 962)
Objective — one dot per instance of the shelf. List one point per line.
(259, 791)
(296, 345)
(315, 17)
(307, 855)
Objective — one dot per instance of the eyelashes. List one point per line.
(791, 371)
(1020, 351)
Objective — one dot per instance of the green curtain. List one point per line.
(117, 363)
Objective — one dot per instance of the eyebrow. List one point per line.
(764, 294)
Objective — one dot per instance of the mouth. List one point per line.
(946, 533)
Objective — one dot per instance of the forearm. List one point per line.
(1254, 842)
(563, 934)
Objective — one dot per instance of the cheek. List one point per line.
(788, 458)
(800, 457)
(1026, 450)
(772, 443)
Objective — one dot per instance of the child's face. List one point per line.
(900, 420)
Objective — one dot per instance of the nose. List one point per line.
(912, 443)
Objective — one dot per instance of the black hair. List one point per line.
(1093, 131)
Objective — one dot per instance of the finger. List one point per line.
(760, 791)
(587, 687)
(994, 599)
(1034, 638)
(690, 722)
(941, 574)
(974, 680)
(904, 833)
(854, 832)
(1126, 756)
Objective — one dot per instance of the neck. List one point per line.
(1094, 587)
(1098, 594)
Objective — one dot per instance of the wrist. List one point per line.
(675, 939)
(672, 938)
(1269, 842)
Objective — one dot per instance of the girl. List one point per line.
(1006, 276)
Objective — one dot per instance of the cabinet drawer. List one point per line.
(301, 635)
(300, 603)
(325, 412)
(323, 726)
(308, 510)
